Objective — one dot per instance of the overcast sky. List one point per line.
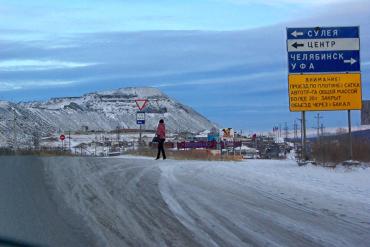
(225, 58)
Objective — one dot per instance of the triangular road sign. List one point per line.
(141, 103)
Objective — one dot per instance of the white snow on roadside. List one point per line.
(346, 183)
(129, 156)
(351, 184)
(193, 187)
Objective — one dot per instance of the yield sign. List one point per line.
(141, 103)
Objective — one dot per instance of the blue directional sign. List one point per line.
(323, 32)
(323, 50)
(140, 117)
(324, 61)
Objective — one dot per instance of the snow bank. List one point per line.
(267, 199)
(345, 183)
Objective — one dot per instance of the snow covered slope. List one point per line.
(101, 111)
(26, 124)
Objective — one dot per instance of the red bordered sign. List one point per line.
(141, 103)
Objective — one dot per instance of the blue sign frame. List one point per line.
(324, 61)
(140, 121)
(323, 32)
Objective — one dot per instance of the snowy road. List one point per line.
(30, 214)
(142, 202)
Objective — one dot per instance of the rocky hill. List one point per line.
(98, 111)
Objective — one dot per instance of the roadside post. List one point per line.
(350, 135)
(69, 141)
(62, 138)
(304, 144)
(140, 120)
(140, 116)
(324, 72)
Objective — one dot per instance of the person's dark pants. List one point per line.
(161, 149)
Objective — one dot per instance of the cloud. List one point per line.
(6, 86)
(284, 2)
(247, 79)
(242, 107)
(211, 71)
(38, 65)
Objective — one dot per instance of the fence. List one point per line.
(208, 145)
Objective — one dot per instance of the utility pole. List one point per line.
(96, 140)
(15, 144)
(279, 130)
(118, 136)
(295, 127)
(318, 117)
(276, 132)
(286, 130)
(322, 128)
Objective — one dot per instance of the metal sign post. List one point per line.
(140, 115)
(350, 135)
(304, 150)
(69, 141)
(62, 138)
(140, 133)
(140, 120)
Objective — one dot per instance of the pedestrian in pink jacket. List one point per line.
(161, 134)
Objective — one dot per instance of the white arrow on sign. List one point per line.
(296, 34)
(351, 61)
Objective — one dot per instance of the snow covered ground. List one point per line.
(137, 201)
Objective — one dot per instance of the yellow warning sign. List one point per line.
(325, 92)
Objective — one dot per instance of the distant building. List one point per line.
(365, 112)
(85, 128)
(227, 134)
(185, 136)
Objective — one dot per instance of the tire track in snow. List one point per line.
(217, 205)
